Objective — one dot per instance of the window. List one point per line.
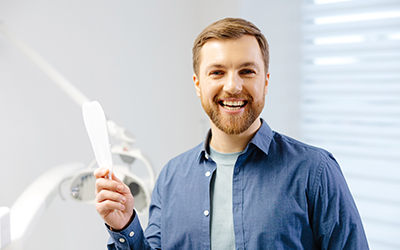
(351, 102)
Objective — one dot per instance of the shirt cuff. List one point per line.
(128, 237)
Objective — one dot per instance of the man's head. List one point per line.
(229, 28)
(231, 74)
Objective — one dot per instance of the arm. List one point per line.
(114, 203)
(335, 218)
(128, 238)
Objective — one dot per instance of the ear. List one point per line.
(196, 81)
(266, 84)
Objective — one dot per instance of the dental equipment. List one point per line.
(26, 212)
(31, 205)
(77, 96)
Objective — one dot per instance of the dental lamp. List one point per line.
(17, 224)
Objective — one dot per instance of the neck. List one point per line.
(225, 143)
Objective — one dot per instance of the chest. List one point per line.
(267, 205)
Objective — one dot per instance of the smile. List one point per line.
(233, 105)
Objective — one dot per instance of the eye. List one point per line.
(247, 71)
(216, 73)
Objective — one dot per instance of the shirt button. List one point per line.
(206, 212)
(122, 240)
(131, 233)
(208, 173)
(207, 156)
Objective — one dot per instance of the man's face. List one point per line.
(232, 83)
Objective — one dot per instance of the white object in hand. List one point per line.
(96, 127)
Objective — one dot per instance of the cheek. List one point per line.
(257, 92)
(261, 89)
(209, 91)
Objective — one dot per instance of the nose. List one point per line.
(234, 84)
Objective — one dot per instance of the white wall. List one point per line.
(280, 22)
(135, 58)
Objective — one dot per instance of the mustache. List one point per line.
(244, 96)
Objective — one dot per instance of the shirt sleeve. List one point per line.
(130, 238)
(335, 218)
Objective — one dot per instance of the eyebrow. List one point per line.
(251, 64)
(245, 64)
(215, 65)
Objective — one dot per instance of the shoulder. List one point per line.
(188, 156)
(315, 162)
(276, 144)
(294, 145)
(295, 148)
(183, 162)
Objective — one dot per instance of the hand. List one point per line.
(114, 201)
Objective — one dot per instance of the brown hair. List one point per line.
(229, 28)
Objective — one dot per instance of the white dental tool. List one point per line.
(96, 127)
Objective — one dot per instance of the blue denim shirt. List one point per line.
(286, 195)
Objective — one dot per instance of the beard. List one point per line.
(233, 124)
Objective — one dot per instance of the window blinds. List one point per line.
(351, 102)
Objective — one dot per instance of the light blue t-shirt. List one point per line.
(222, 231)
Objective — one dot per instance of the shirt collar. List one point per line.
(262, 140)
(263, 137)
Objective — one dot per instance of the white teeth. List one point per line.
(233, 103)
(232, 108)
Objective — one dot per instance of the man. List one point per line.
(246, 186)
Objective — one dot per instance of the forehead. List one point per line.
(230, 52)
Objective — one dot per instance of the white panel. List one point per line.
(351, 103)
(375, 190)
(382, 50)
(355, 109)
(364, 77)
(345, 87)
(349, 6)
(382, 235)
(366, 168)
(353, 67)
(379, 211)
(349, 28)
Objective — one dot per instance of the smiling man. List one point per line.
(232, 82)
(245, 186)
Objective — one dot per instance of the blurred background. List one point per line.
(335, 83)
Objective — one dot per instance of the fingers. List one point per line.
(107, 184)
(115, 185)
(107, 200)
(114, 201)
(101, 172)
(105, 195)
(110, 194)
(107, 207)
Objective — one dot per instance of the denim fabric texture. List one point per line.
(285, 195)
